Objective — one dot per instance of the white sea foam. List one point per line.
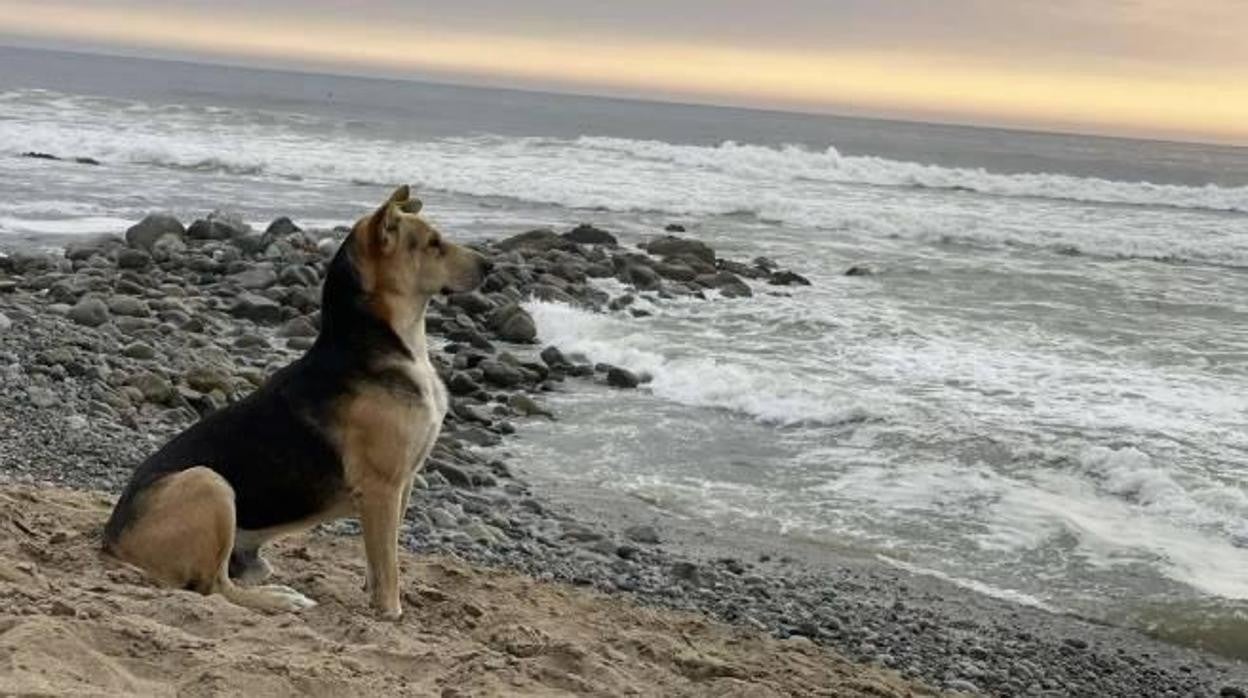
(769, 394)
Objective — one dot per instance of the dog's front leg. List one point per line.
(379, 515)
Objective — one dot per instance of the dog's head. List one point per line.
(400, 254)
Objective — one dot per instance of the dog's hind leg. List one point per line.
(183, 535)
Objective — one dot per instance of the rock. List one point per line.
(513, 324)
(128, 306)
(145, 233)
(1232, 692)
(643, 277)
(674, 228)
(765, 263)
(500, 374)
(5, 323)
(473, 303)
(297, 327)
(621, 378)
(139, 350)
(205, 379)
(133, 259)
(256, 308)
(89, 311)
(298, 275)
(685, 571)
(481, 532)
(675, 272)
(461, 383)
(527, 406)
(155, 388)
(857, 270)
(787, 278)
(281, 227)
(85, 249)
(535, 240)
(479, 437)
(963, 686)
(37, 155)
(728, 284)
(672, 246)
(41, 397)
(586, 234)
(554, 358)
(257, 278)
(642, 534)
(218, 226)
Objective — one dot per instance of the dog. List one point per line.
(340, 432)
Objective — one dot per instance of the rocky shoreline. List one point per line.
(110, 348)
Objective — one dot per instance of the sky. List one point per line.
(1152, 68)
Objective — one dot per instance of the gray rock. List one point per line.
(461, 383)
(41, 397)
(98, 245)
(622, 378)
(205, 379)
(139, 350)
(642, 534)
(89, 311)
(297, 327)
(257, 278)
(154, 387)
(281, 227)
(787, 278)
(473, 303)
(534, 240)
(672, 246)
(727, 283)
(145, 233)
(218, 226)
(586, 234)
(5, 323)
(133, 259)
(527, 406)
(256, 308)
(554, 358)
(298, 275)
(643, 277)
(479, 437)
(128, 306)
(859, 270)
(168, 247)
(513, 324)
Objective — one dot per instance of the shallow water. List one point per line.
(1042, 392)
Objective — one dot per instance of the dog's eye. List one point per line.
(435, 244)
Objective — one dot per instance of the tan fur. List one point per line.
(184, 537)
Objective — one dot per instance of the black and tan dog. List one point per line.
(339, 432)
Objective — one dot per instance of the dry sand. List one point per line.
(75, 623)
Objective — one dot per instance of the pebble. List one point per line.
(91, 312)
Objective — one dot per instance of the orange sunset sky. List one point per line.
(1153, 68)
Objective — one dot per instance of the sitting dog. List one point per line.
(342, 431)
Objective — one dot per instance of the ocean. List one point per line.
(1041, 393)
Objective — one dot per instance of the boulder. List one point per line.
(133, 259)
(85, 249)
(256, 308)
(218, 225)
(145, 233)
(500, 374)
(281, 227)
(534, 240)
(787, 278)
(622, 378)
(728, 284)
(256, 278)
(513, 324)
(473, 302)
(643, 277)
(89, 311)
(586, 234)
(672, 246)
(858, 270)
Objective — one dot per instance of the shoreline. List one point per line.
(137, 337)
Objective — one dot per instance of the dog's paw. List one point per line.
(390, 614)
(286, 599)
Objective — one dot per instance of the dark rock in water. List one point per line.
(91, 312)
(740, 269)
(644, 278)
(500, 374)
(728, 284)
(672, 246)
(554, 358)
(133, 259)
(479, 437)
(621, 378)
(461, 383)
(256, 308)
(154, 226)
(513, 324)
(473, 303)
(674, 228)
(536, 240)
(1232, 692)
(857, 270)
(86, 161)
(788, 278)
(642, 534)
(38, 155)
(218, 226)
(622, 302)
(281, 227)
(586, 234)
(765, 263)
(675, 272)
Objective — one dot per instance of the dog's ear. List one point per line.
(400, 195)
(412, 205)
(383, 229)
